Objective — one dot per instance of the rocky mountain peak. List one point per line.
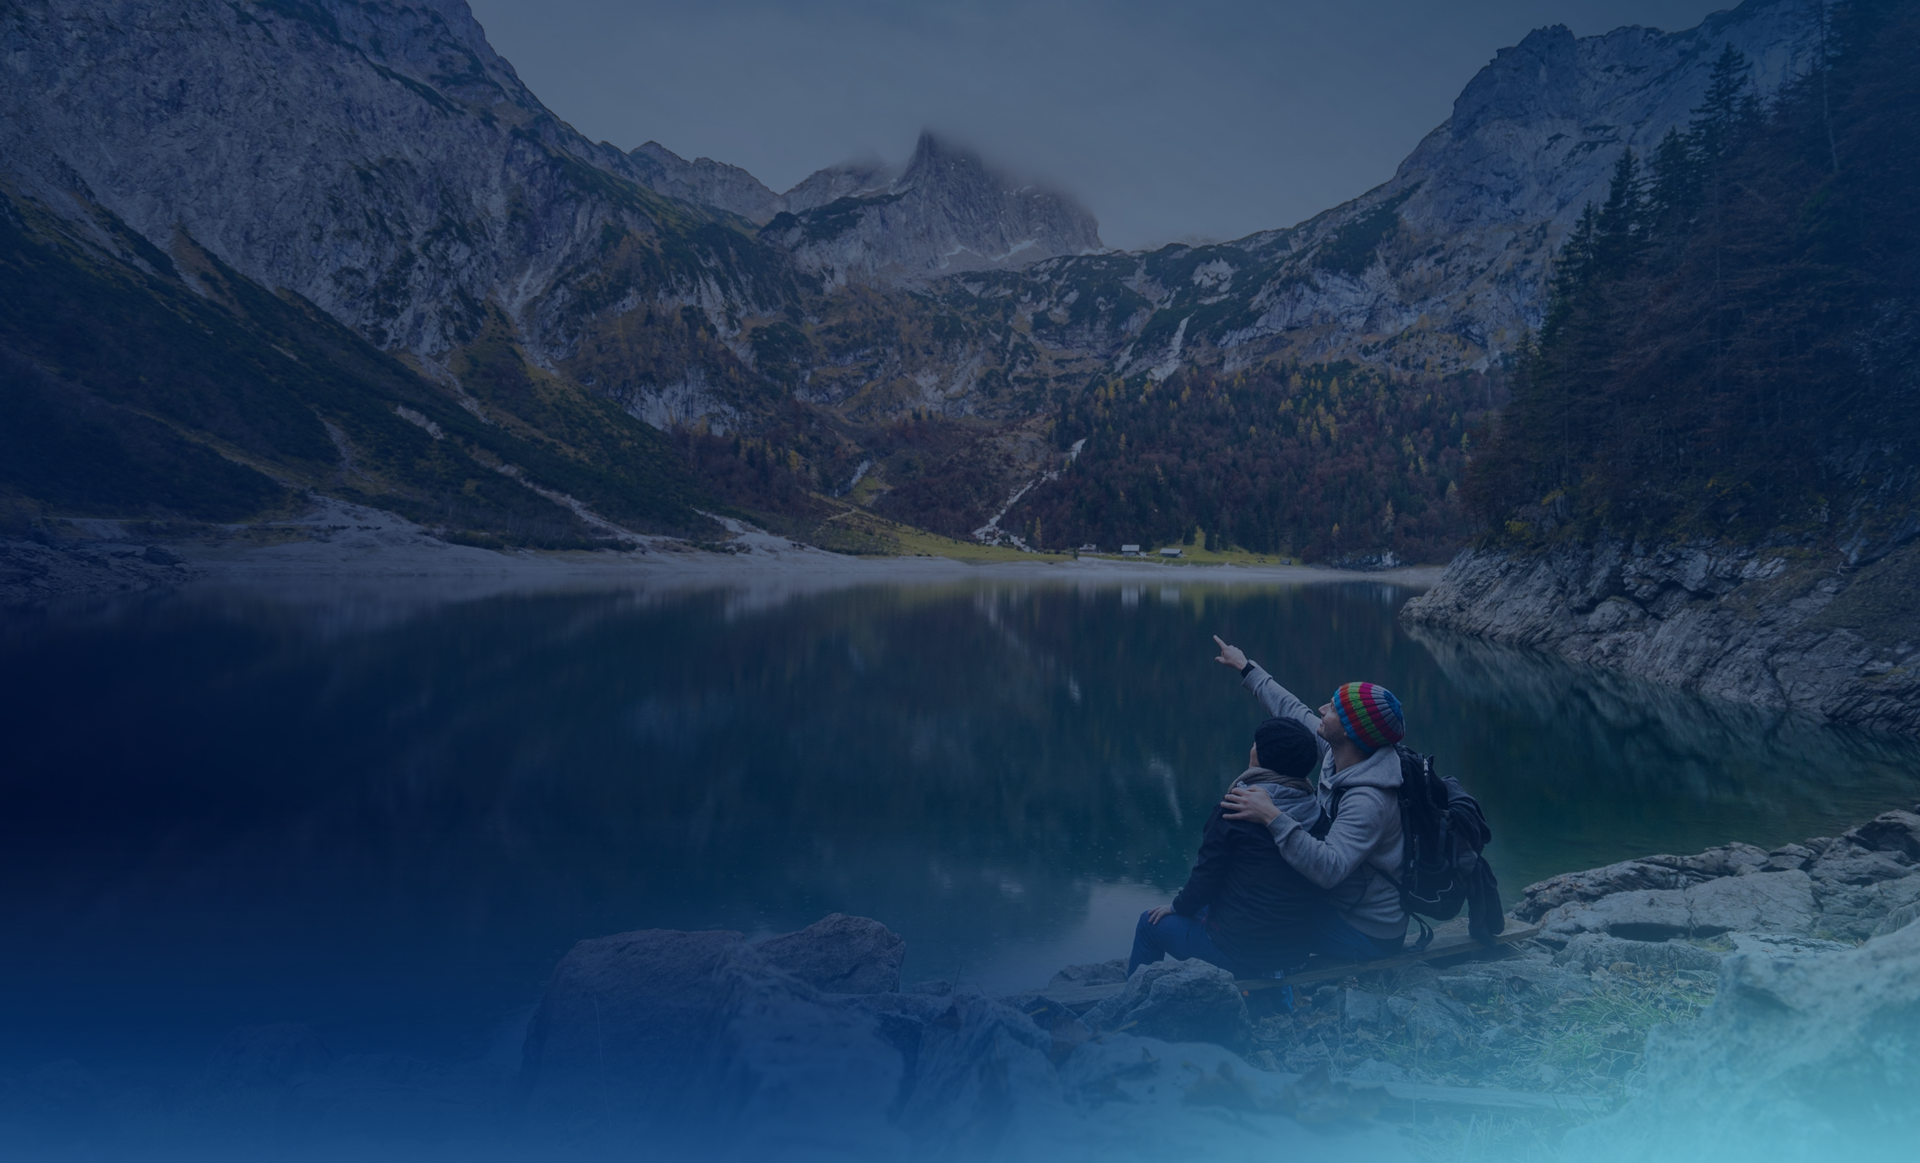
(852, 179)
(705, 181)
(947, 211)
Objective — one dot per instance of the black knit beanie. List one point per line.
(1286, 747)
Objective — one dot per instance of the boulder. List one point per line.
(680, 1040)
(1898, 919)
(983, 1073)
(1799, 1058)
(1781, 901)
(1641, 916)
(1896, 832)
(1591, 951)
(1769, 945)
(841, 954)
(671, 1045)
(1854, 912)
(1178, 1001)
(1852, 864)
(1775, 901)
(1596, 883)
(1362, 1010)
(1788, 857)
(1094, 973)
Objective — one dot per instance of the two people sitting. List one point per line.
(1288, 869)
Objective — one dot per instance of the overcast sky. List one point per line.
(1171, 120)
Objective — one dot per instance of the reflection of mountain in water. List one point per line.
(411, 815)
(460, 792)
(1618, 766)
(1655, 732)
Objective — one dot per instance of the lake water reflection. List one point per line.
(389, 823)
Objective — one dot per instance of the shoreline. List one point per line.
(348, 548)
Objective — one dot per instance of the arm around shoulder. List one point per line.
(1356, 832)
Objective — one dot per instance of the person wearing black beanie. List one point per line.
(1244, 908)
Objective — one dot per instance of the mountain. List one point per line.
(704, 181)
(373, 179)
(1446, 264)
(334, 227)
(1709, 471)
(946, 212)
(378, 159)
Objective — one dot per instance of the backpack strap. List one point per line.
(1324, 824)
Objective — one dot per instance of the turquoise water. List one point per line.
(389, 821)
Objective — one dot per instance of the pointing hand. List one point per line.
(1231, 656)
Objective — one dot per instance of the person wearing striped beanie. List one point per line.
(1369, 715)
(1353, 853)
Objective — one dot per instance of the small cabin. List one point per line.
(1089, 547)
(1130, 551)
(1170, 551)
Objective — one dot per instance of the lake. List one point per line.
(388, 820)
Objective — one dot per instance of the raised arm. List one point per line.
(1278, 700)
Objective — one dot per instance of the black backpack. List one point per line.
(1442, 833)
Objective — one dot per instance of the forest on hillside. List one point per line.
(1323, 461)
(1733, 341)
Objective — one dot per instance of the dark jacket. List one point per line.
(1257, 903)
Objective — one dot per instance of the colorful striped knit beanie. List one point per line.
(1370, 714)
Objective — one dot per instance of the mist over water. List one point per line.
(389, 824)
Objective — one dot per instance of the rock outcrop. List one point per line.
(946, 212)
(1445, 265)
(708, 1043)
(1178, 1001)
(379, 159)
(1802, 1056)
(36, 570)
(1785, 1041)
(1839, 888)
(1834, 639)
(705, 181)
(841, 954)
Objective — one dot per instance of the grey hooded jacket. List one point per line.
(1360, 858)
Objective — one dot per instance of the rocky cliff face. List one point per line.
(1779, 628)
(705, 181)
(946, 212)
(1445, 265)
(1800, 1054)
(378, 159)
(868, 222)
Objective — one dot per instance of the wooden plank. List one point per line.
(1448, 945)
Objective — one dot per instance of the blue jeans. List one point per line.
(1329, 935)
(1184, 937)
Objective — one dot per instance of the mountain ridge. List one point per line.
(379, 161)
